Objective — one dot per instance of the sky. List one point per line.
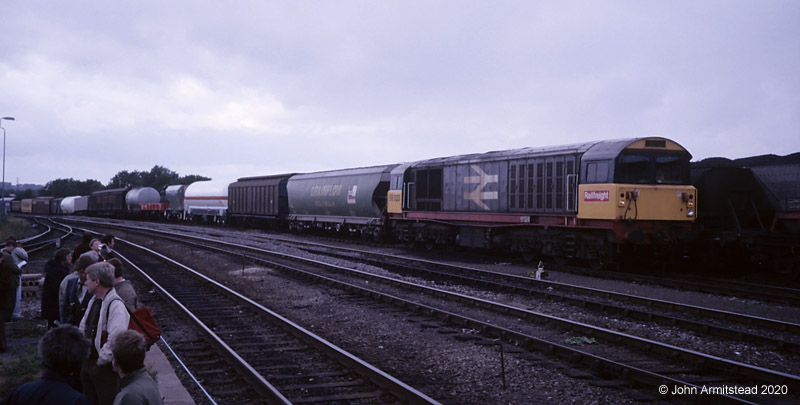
(248, 88)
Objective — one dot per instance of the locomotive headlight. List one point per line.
(690, 204)
(690, 213)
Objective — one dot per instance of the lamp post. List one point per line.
(3, 211)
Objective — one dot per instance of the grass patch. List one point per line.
(21, 363)
(19, 368)
(26, 328)
(580, 341)
(16, 227)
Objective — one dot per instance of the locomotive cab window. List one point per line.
(651, 168)
(597, 172)
(670, 170)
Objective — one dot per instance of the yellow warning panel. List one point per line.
(637, 202)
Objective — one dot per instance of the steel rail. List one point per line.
(527, 341)
(716, 363)
(398, 388)
(261, 385)
(703, 327)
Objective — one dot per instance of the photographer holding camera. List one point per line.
(107, 247)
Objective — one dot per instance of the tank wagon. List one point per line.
(77, 205)
(351, 200)
(206, 201)
(137, 196)
(174, 195)
(261, 200)
(589, 201)
(145, 202)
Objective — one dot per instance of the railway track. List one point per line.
(652, 363)
(718, 286)
(283, 362)
(51, 236)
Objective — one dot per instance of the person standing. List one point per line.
(8, 266)
(72, 296)
(105, 317)
(19, 253)
(137, 386)
(6, 277)
(107, 247)
(82, 247)
(20, 259)
(94, 250)
(123, 287)
(54, 272)
(62, 350)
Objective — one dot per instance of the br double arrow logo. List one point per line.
(482, 179)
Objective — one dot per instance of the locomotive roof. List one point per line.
(607, 149)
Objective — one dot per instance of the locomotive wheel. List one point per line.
(561, 260)
(529, 256)
(597, 264)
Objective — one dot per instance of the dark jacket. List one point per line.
(54, 272)
(9, 280)
(79, 250)
(138, 388)
(52, 388)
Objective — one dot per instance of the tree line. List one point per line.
(158, 177)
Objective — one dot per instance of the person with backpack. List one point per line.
(105, 316)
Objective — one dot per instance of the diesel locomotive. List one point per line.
(589, 201)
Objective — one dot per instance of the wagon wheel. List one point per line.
(597, 264)
(529, 256)
(560, 260)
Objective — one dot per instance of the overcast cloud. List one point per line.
(245, 88)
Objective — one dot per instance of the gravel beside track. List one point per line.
(459, 366)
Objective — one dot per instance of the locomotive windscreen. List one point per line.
(648, 167)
